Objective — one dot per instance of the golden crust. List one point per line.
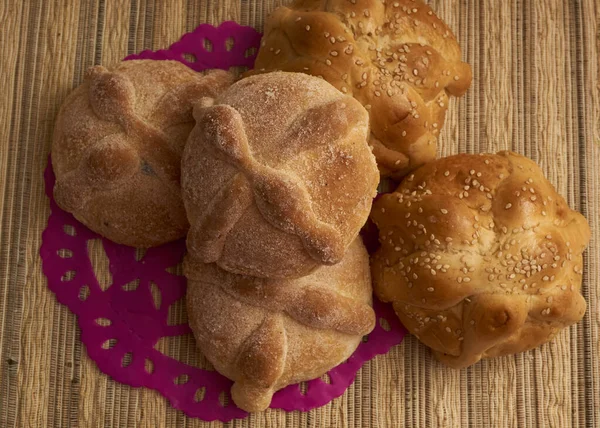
(277, 176)
(117, 147)
(265, 334)
(480, 256)
(398, 59)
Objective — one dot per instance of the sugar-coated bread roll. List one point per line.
(117, 148)
(265, 334)
(480, 256)
(277, 176)
(396, 57)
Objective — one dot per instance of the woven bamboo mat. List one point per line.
(535, 90)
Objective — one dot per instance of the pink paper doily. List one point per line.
(121, 325)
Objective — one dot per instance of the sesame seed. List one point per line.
(430, 289)
(507, 206)
(298, 19)
(333, 53)
(444, 211)
(307, 28)
(415, 72)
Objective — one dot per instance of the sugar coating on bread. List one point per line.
(277, 176)
(265, 334)
(480, 256)
(117, 148)
(396, 57)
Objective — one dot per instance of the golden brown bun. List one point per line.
(265, 334)
(277, 176)
(480, 256)
(117, 148)
(396, 57)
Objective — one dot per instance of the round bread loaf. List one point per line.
(277, 176)
(265, 334)
(396, 57)
(117, 148)
(480, 256)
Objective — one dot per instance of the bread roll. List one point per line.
(277, 176)
(117, 148)
(480, 256)
(396, 57)
(265, 334)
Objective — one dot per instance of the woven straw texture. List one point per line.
(535, 90)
